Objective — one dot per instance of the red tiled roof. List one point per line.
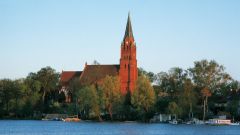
(66, 76)
(95, 73)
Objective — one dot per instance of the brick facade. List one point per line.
(126, 70)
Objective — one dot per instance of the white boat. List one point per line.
(174, 122)
(218, 122)
(197, 121)
(235, 124)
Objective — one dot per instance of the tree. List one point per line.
(31, 85)
(172, 82)
(151, 76)
(49, 79)
(174, 109)
(209, 77)
(6, 93)
(31, 96)
(30, 104)
(188, 98)
(10, 94)
(111, 94)
(205, 94)
(73, 89)
(209, 74)
(88, 101)
(71, 94)
(17, 94)
(233, 99)
(143, 97)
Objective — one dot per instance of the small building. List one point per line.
(161, 118)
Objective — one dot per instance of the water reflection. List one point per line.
(11, 127)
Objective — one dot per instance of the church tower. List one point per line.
(128, 62)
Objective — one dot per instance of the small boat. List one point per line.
(189, 122)
(44, 119)
(234, 124)
(218, 122)
(57, 119)
(174, 122)
(72, 119)
(54, 117)
(200, 122)
(197, 121)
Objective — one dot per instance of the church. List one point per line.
(126, 69)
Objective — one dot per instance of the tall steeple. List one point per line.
(128, 31)
(128, 62)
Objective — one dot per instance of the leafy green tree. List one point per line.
(127, 111)
(30, 104)
(143, 97)
(172, 82)
(49, 79)
(74, 88)
(73, 91)
(17, 95)
(10, 95)
(232, 108)
(233, 99)
(209, 74)
(151, 76)
(31, 97)
(111, 94)
(162, 100)
(61, 97)
(6, 93)
(209, 77)
(31, 84)
(88, 102)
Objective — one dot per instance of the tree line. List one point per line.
(202, 91)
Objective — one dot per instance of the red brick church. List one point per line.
(127, 69)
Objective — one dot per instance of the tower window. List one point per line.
(125, 66)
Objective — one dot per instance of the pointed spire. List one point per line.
(128, 32)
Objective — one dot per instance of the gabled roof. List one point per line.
(66, 76)
(93, 74)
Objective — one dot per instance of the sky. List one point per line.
(64, 34)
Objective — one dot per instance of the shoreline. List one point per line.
(117, 122)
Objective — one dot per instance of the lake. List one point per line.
(30, 127)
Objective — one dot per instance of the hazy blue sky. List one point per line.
(64, 34)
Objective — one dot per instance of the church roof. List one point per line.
(95, 73)
(129, 31)
(90, 75)
(66, 76)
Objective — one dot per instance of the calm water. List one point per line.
(12, 127)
